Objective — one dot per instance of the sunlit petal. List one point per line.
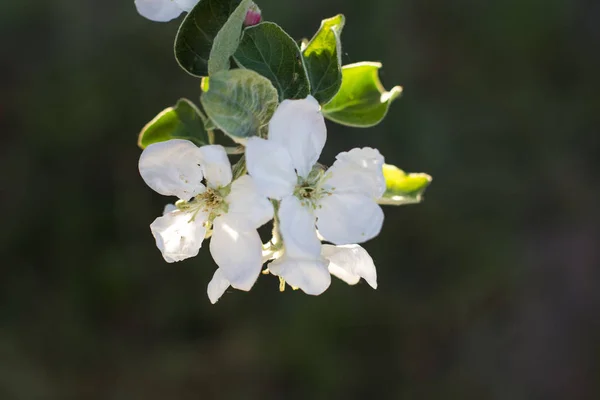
(297, 226)
(299, 126)
(172, 168)
(247, 208)
(311, 276)
(168, 208)
(217, 286)
(350, 263)
(358, 171)
(158, 10)
(271, 167)
(179, 234)
(348, 218)
(238, 254)
(215, 165)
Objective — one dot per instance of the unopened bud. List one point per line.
(253, 16)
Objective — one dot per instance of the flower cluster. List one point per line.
(309, 204)
(271, 97)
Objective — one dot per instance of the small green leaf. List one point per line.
(403, 188)
(240, 102)
(361, 101)
(228, 39)
(183, 121)
(209, 35)
(268, 50)
(323, 59)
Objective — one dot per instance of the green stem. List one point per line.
(275, 245)
(234, 150)
(239, 169)
(277, 241)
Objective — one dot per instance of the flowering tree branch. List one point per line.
(272, 102)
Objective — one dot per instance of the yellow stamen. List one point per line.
(281, 284)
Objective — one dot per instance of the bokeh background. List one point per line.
(488, 290)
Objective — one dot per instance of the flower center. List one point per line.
(211, 201)
(310, 190)
(305, 192)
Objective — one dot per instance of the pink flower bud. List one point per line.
(253, 16)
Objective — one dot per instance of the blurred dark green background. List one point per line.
(488, 290)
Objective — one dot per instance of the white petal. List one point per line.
(215, 165)
(238, 254)
(247, 207)
(158, 10)
(348, 218)
(179, 234)
(172, 168)
(168, 208)
(186, 5)
(358, 171)
(309, 275)
(271, 167)
(217, 286)
(350, 263)
(297, 226)
(300, 127)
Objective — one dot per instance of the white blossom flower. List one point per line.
(164, 10)
(340, 202)
(234, 209)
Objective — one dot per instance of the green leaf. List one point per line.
(209, 35)
(240, 102)
(183, 121)
(403, 188)
(362, 101)
(228, 39)
(323, 59)
(268, 50)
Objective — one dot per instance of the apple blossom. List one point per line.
(341, 202)
(233, 210)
